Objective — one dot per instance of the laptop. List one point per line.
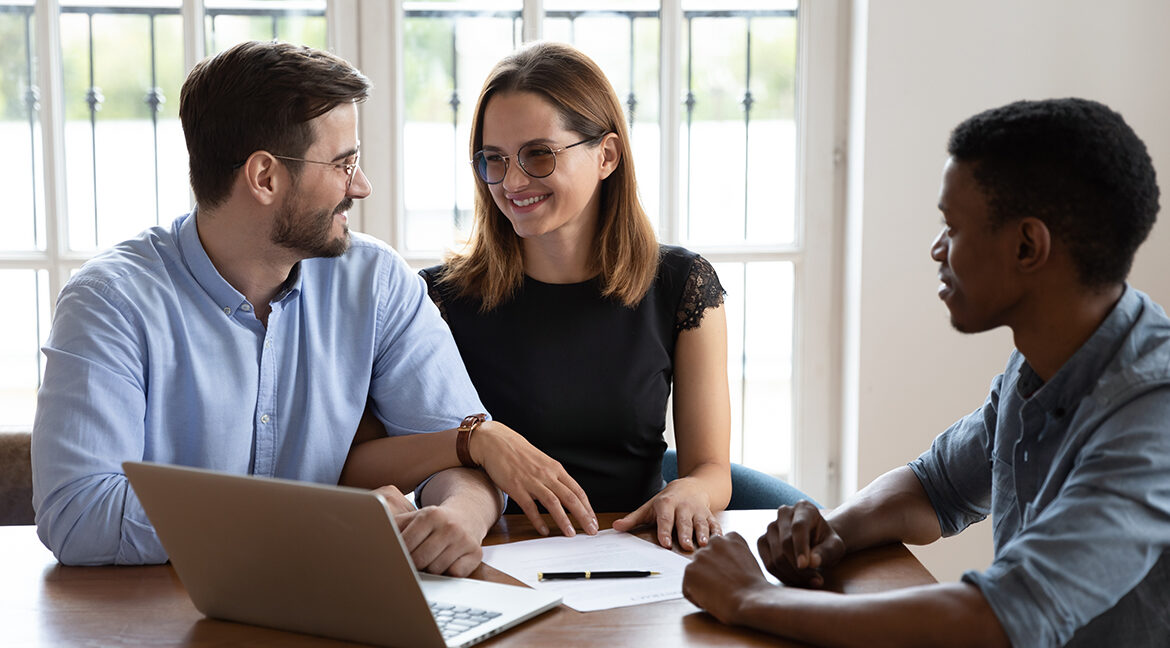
(323, 560)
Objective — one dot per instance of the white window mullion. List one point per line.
(817, 359)
(532, 21)
(380, 34)
(52, 118)
(670, 21)
(343, 38)
(342, 18)
(194, 38)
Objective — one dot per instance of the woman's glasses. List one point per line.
(537, 160)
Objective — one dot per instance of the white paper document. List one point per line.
(609, 550)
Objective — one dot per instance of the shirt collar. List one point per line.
(1080, 373)
(225, 296)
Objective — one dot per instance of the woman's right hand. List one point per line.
(529, 476)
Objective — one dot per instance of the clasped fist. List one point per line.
(799, 544)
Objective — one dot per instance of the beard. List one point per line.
(310, 232)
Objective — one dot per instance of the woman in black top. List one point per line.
(574, 324)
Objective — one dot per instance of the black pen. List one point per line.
(590, 575)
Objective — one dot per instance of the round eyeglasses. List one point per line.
(537, 160)
(349, 168)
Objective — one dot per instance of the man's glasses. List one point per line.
(348, 168)
(537, 160)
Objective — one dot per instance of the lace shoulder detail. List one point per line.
(702, 291)
(432, 276)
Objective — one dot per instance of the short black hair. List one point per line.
(1074, 164)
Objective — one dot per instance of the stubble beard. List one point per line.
(310, 234)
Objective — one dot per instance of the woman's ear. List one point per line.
(261, 178)
(611, 154)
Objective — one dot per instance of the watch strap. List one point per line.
(463, 439)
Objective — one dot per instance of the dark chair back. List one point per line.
(15, 478)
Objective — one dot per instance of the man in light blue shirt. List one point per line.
(1044, 204)
(251, 334)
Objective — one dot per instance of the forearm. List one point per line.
(892, 508)
(403, 461)
(953, 614)
(89, 420)
(467, 491)
(702, 407)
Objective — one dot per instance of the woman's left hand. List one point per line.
(683, 509)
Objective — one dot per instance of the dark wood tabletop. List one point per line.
(43, 603)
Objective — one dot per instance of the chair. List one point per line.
(15, 478)
(750, 489)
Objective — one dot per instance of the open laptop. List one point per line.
(324, 560)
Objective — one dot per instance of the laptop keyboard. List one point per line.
(454, 619)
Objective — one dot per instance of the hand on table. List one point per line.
(721, 575)
(799, 544)
(529, 476)
(440, 541)
(682, 508)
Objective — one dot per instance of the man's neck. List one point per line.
(1060, 323)
(241, 251)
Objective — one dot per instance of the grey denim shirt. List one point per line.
(1075, 474)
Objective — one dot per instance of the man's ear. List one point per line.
(611, 154)
(262, 178)
(1035, 244)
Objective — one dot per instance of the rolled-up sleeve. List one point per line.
(90, 418)
(419, 382)
(1097, 539)
(955, 471)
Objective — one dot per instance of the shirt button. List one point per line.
(227, 311)
(247, 308)
(267, 344)
(264, 419)
(1025, 456)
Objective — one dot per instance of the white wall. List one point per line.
(921, 66)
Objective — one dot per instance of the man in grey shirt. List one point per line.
(1044, 204)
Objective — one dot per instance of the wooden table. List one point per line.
(43, 603)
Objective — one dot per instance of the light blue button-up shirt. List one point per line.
(154, 356)
(1075, 473)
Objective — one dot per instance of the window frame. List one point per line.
(815, 253)
(368, 34)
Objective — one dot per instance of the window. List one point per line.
(93, 153)
(724, 169)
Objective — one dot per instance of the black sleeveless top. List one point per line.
(584, 378)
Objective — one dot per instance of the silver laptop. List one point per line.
(324, 560)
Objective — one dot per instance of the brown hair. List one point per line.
(258, 96)
(626, 257)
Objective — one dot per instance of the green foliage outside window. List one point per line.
(122, 59)
(13, 67)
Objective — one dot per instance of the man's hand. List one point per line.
(683, 507)
(722, 576)
(799, 544)
(441, 541)
(528, 476)
(395, 499)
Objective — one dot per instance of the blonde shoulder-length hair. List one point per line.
(491, 266)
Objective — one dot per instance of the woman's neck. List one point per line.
(564, 256)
